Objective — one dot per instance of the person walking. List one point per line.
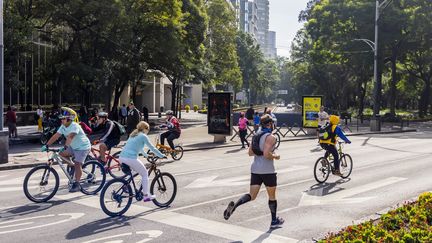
(262, 171)
(39, 113)
(242, 125)
(11, 120)
(83, 114)
(132, 119)
(123, 114)
(145, 114)
(250, 113)
(256, 121)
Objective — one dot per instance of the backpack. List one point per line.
(120, 127)
(255, 143)
(87, 130)
(325, 132)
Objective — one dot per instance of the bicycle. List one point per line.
(120, 191)
(38, 178)
(176, 153)
(324, 166)
(112, 164)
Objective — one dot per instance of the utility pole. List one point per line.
(1, 67)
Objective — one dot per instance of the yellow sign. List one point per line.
(311, 107)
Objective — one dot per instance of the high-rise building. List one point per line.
(263, 23)
(271, 45)
(248, 17)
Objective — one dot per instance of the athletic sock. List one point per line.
(244, 199)
(273, 206)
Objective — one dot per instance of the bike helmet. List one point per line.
(67, 114)
(102, 114)
(169, 112)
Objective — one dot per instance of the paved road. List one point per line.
(388, 169)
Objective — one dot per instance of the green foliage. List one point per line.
(195, 107)
(412, 222)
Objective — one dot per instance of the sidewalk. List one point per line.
(192, 138)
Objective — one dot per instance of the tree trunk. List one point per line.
(174, 95)
(393, 84)
(424, 98)
(361, 100)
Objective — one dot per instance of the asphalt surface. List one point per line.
(388, 169)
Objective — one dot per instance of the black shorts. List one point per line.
(111, 143)
(269, 180)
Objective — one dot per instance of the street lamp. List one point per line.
(1, 67)
(377, 81)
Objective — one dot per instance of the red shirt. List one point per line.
(11, 117)
(176, 124)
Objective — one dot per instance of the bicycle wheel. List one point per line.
(116, 197)
(41, 183)
(278, 140)
(93, 177)
(164, 187)
(322, 170)
(178, 152)
(346, 165)
(114, 166)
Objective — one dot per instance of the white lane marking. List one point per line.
(237, 195)
(72, 217)
(210, 181)
(14, 225)
(218, 229)
(211, 169)
(17, 220)
(15, 188)
(108, 237)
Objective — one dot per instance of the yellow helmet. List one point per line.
(334, 120)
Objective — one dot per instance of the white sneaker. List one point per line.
(148, 198)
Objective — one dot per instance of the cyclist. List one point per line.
(77, 144)
(134, 146)
(334, 131)
(110, 135)
(262, 171)
(173, 126)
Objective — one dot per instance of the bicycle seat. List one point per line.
(125, 168)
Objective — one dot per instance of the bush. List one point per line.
(187, 108)
(196, 108)
(204, 111)
(410, 223)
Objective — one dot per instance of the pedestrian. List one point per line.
(123, 114)
(39, 113)
(249, 114)
(83, 114)
(256, 121)
(262, 171)
(242, 125)
(132, 119)
(11, 120)
(146, 114)
(323, 119)
(114, 114)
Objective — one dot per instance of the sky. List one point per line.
(284, 20)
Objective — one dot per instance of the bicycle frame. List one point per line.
(108, 156)
(56, 157)
(129, 177)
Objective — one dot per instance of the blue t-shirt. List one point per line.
(80, 141)
(135, 145)
(256, 119)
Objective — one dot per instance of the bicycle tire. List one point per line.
(325, 169)
(93, 167)
(347, 160)
(278, 140)
(114, 197)
(114, 167)
(161, 179)
(27, 179)
(178, 154)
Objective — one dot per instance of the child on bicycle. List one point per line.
(329, 144)
(133, 147)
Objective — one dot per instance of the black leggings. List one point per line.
(170, 136)
(331, 149)
(243, 134)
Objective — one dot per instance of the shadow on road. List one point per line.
(326, 188)
(264, 236)
(234, 151)
(28, 209)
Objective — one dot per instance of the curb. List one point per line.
(22, 166)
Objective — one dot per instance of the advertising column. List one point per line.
(219, 114)
(311, 107)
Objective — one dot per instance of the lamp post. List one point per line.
(1, 67)
(375, 124)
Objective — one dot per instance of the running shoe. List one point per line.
(277, 223)
(229, 210)
(148, 198)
